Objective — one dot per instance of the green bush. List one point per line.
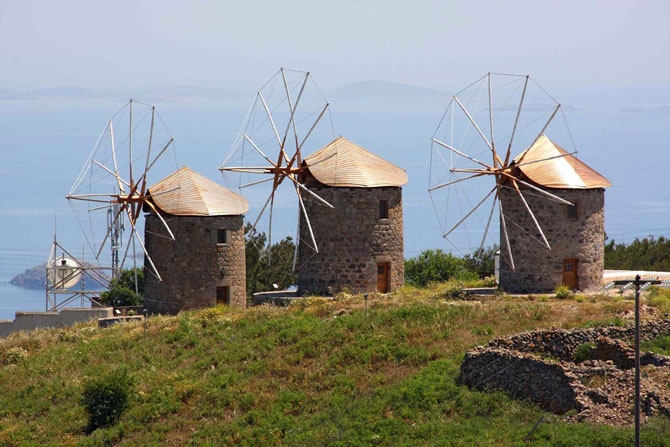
(563, 292)
(658, 345)
(659, 298)
(436, 265)
(106, 398)
(15, 355)
(122, 289)
(583, 352)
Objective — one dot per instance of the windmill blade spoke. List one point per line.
(488, 222)
(545, 159)
(309, 225)
(246, 137)
(272, 204)
(109, 229)
(516, 121)
(267, 111)
(110, 171)
(312, 193)
(558, 106)
(297, 243)
(537, 224)
(461, 153)
(473, 122)
(151, 136)
(313, 126)
(292, 108)
(257, 182)
(442, 185)
(263, 209)
(469, 213)
(540, 190)
(506, 236)
(116, 166)
(261, 170)
(154, 270)
(167, 227)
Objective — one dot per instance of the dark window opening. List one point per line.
(380, 269)
(221, 236)
(383, 209)
(573, 211)
(223, 295)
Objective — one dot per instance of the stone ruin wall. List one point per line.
(539, 366)
(539, 270)
(191, 265)
(351, 240)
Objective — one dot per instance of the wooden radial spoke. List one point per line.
(442, 185)
(263, 209)
(154, 270)
(312, 193)
(311, 129)
(516, 122)
(109, 229)
(470, 213)
(267, 111)
(309, 225)
(537, 224)
(167, 227)
(116, 166)
(473, 122)
(510, 258)
(461, 153)
(292, 108)
(151, 137)
(246, 137)
(488, 222)
(535, 188)
(109, 171)
(553, 114)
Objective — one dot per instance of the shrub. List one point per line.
(15, 355)
(659, 298)
(122, 289)
(658, 345)
(106, 398)
(435, 265)
(563, 292)
(583, 352)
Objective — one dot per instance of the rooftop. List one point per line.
(187, 193)
(346, 164)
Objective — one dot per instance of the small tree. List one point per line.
(481, 261)
(122, 289)
(261, 274)
(435, 265)
(106, 398)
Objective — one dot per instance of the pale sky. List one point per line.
(224, 44)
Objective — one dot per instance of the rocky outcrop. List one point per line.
(540, 367)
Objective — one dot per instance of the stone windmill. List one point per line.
(204, 263)
(549, 204)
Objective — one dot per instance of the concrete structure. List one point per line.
(27, 321)
(360, 240)
(205, 263)
(576, 233)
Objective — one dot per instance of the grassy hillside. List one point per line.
(318, 373)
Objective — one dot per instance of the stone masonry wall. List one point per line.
(191, 265)
(351, 239)
(538, 269)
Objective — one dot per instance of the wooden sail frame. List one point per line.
(131, 194)
(288, 163)
(503, 169)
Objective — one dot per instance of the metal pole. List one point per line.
(637, 361)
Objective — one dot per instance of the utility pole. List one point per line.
(638, 283)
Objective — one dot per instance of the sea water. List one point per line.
(624, 135)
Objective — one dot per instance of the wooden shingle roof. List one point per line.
(187, 193)
(345, 164)
(567, 172)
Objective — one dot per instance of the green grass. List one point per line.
(295, 376)
(658, 345)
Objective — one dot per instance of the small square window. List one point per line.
(221, 236)
(573, 211)
(223, 295)
(383, 209)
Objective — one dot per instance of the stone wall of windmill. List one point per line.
(580, 237)
(352, 240)
(194, 264)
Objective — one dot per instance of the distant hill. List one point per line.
(33, 278)
(386, 90)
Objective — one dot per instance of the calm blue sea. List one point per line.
(43, 144)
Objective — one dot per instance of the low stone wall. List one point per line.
(523, 376)
(26, 321)
(540, 366)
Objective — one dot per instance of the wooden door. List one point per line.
(223, 295)
(383, 276)
(570, 278)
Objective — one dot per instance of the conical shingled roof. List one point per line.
(566, 172)
(187, 193)
(346, 164)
